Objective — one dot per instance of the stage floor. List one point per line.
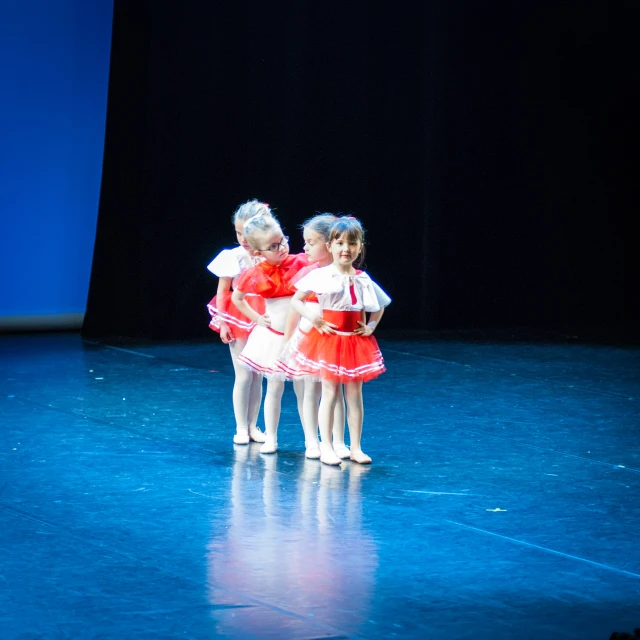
(503, 500)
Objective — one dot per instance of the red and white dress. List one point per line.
(230, 263)
(342, 356)
(287, 363)
(274, 284)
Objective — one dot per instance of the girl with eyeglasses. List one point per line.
(234, 327)
(272, 279)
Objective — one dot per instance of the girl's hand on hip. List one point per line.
(264, 321)
(363, 329)
(323, 326)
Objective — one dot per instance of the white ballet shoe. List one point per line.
(360, 457)
(269, 447)
(342, 451)
(312, 452)
(328, 456)
(241, 438)
(256, 435)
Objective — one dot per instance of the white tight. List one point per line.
(272, 406)
(247, 389)
(309, 392)
(330, 401)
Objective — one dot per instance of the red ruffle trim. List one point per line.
(340, 358)
(222, 310)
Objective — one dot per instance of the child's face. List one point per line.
(272, 245)
(344, 251)
(242, 241)
(314, 246)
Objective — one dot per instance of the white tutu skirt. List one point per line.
(287, 361)
(265, 344)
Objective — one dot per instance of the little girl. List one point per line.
(315, 232)
(342, 350)
(272, 280)
(234, 327)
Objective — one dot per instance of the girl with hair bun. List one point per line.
(315, 232)
(234, 327)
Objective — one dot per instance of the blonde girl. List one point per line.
(234, 327)
(272, 280)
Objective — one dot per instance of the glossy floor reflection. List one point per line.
(503, 502)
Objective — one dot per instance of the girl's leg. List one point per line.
(272, 405)
(241, 393)
(325, 418)
(341, 449)
(255, 400)
(312, 390)
(355, 407)
(298, 389)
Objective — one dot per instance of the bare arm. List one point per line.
(226, 335)
(369, 328)
(318, 322)
(224, 285)
(290, 325)
(238, 298)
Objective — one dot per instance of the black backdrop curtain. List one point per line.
(481, 143)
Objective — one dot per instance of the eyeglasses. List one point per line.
(276, 245)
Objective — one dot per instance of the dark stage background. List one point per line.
(486, 147)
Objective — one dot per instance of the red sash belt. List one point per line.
(346, 320)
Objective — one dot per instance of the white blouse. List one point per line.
(230, 263)
(333, 290)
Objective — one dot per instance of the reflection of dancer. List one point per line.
(234, 327)
(315, 232)
(286, 549)
(272, 280)
(339, 496)
(342, 350)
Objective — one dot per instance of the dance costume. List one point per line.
(342, 356)
(286, 362)
(274, 283)
(230, 263)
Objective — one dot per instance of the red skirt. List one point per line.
(340, 357)
(222, 310)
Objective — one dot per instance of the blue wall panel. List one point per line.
(54, 68)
